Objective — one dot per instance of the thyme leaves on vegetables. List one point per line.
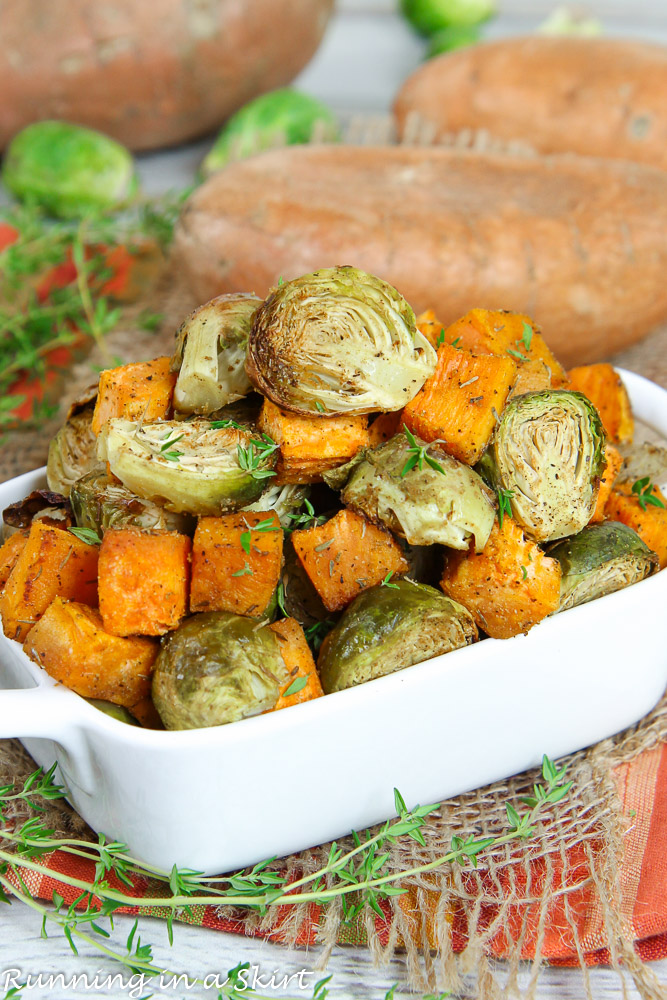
(251, 458)
(643, 490)
(418, 455)
(86, 535)
(504, 504)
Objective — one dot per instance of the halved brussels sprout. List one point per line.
(72, 452)
(188, 465)
(389, 628)
(53, 508)
(548, 453)
(100, 501)
(338, 341)
(442, 502)
(600, 559)
(217, 668)
(285, 500)
(644, 459)
(210, 354)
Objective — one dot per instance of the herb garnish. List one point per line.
(643, 490)
(386, 583)
(258, 451)
(86, 535)
(298, 684)
(418, 454)
(504, 505)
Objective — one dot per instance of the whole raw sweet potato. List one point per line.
(148, 74)
(594, 96)
(578, 244)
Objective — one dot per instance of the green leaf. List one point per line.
(298, 684)
(87, 535)
(513, 817)
(548, 769)
(399, 803)
(245, 542)
(527, 336)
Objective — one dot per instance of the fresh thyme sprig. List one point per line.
(86, 535)
(643, 490)
(504, 504)
(307, 519)
(418, 454)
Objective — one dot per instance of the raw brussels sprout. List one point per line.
(548, 452)
(444, 502)
(210, 354)
(69, 170)
(100, 501)
(429, 16)
(73, 451)
(286, 117)
(600, 559)
(115, 711)
(285, 500)
(217, 668)
(189, 465)
(457, 36)
(338, 341)
(389, 628)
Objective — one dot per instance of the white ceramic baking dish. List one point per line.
(216, 799)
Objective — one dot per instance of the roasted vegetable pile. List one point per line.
(321, 475)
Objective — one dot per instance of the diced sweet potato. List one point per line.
(531, 376)
(384, 427)
(650, 524)
(508, 587)
(70, 642)
(10, 550)
(299, 662)
(346, 555)
(460, 403)
(52, 563)
(143, 580)
(614, 461)
(310, 446)
(139, 391)
(236, 562)
(492, 331)
(605, 389)
(429, 324)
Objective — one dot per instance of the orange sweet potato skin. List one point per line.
(577, 244)
(52, 563)
(650, 524)
(69, 641)
(10, 550)
(606, 391)
(139, 391)
(614, 461)
(144, 579)
(299, 661)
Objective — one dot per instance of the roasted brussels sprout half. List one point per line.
(338, 341)
(285, 500)
(210, 354)
(53, 508)
(72, 452)
(389, 628)
(436, 500)
(188, 465)
(115, 711)
(217, 668)
(547, 454)
(100, 501)
(645, 459)
(600, 559)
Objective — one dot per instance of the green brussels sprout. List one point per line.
(283, 117)
(338, 341)
(210, 354)
(69, 170)
(389, 628)
(73, 451)
(217, 668)
(285, 500)
(437, 500)
(599, 560)
(115, 711)
(547, 452)
(100, 501)
(429, 16)
(457, 36)
(188, 466)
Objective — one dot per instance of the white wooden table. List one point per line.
(367, 53)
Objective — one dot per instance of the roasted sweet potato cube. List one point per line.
(460, 403)
(236, 562)
(429, 324)
(10, 550)
(346, 555)
(508, 587)
(627, 503)
(52, 563)
(384, 427)
(531, 376)
(605, 389)
(304, 680)
(614, 461)
(143, 580)
(139, 391)
(70, 642)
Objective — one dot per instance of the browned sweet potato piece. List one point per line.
(460, 403)
(10, 550)
(346, 555)
(605, 389)
(299, 662)
(614, 461)
(650, 524)
(70, 642)
(384, 427)
(429, 324)
(143, 580)
(531, 376)
(236, 562)
(508, 587)
(310, 446)
(52, 563)
(140, 391)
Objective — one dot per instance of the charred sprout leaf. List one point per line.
(100, 501)
(599, 560)
(548, 452)
(72, 452)
(643, 490)
(389, 628)
(53, 508)
(217, 668)
(210, 354)
(338, 341)
(421, 504)
(214, 470)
